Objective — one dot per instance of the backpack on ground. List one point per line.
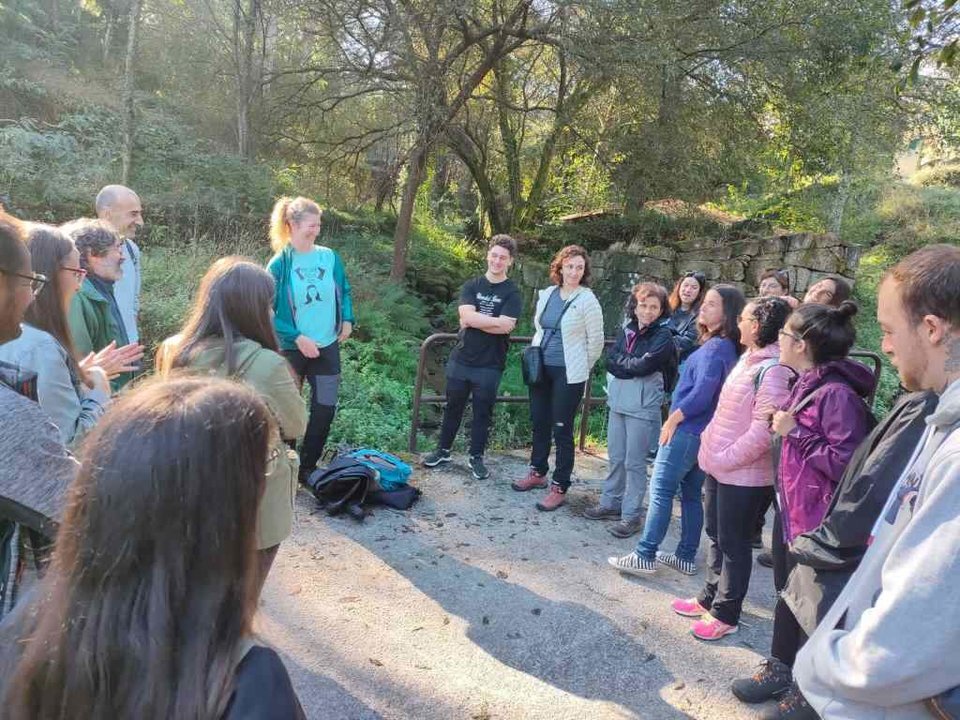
(342, 486)
(392, 472)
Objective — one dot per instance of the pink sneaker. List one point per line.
(709, 628)
(688, 608)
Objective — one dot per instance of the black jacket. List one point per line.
(653, 351)
(685, 332)
(829, 554)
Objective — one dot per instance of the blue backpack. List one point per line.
(392, 472)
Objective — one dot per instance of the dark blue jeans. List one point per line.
(675, 467)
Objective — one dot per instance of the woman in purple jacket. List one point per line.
(821, 424)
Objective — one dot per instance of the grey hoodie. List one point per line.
(899, 639)
(35, 468)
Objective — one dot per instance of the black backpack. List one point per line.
(342, 486)
(671, 371)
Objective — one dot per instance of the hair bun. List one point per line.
(847, 309)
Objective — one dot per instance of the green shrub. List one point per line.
(947, 174)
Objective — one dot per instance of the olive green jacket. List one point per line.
(93, 327)
(269, 374)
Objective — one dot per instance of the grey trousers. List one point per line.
(629, 440)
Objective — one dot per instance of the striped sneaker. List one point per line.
(633, 564)
(671, 560)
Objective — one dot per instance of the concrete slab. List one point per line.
(475, 605)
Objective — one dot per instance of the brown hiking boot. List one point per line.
(532, 481)
(554, 499)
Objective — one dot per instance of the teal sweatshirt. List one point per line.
(284, 320)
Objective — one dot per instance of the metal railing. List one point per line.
(588, 400)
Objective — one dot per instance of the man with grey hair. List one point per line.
(95, 318)
(119, 206)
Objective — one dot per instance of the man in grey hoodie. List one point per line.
(889, 642)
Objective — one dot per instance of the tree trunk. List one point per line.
(840, 203)
(129, 125)
(491, 205)
(508, 136)
(244, 33)
(110, 23)
(416, 167)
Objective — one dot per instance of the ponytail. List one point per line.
(289, 210)
(827, 330)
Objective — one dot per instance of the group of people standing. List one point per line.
(744, 403)
(167, 527)
(196, 465)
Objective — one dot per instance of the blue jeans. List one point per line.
(675, 467)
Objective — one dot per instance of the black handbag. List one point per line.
(531, 359)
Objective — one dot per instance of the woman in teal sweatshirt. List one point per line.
(313, 313)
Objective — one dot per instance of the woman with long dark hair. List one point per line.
(685, 299)
(147, 606)
(73, 396)
(641, 356)
(821, 423)
(734, 453)
(569, 331)
(230, 334)
(675, 467)
(313, 313)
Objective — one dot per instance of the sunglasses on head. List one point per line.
(696, 275)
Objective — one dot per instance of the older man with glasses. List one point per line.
(96, 320)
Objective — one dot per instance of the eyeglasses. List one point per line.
(37, 281)
(81, 273)
(790, 335)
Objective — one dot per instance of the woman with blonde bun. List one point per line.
(313, 313)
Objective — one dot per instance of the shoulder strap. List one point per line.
(245, 366)
(762, 371)
(566, 306)
(806, 400)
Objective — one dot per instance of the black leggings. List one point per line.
(553, 408)
(323, 374)
(788, 636)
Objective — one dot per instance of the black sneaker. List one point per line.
(477, 467)
(792, 706)
(771, 680)
(765, 559)
(437, 457)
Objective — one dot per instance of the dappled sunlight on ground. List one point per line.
(476, 605)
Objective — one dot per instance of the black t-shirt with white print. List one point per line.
(477, 348)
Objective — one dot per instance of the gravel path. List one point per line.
(475, 605)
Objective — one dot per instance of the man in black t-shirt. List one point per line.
(489, 308)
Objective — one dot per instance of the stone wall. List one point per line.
(806, 256)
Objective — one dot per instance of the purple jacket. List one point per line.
(816, 452)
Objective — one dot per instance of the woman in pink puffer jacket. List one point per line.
(735, 455)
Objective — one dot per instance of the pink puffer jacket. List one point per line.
(735, 446)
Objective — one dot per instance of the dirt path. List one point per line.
(475, 605)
